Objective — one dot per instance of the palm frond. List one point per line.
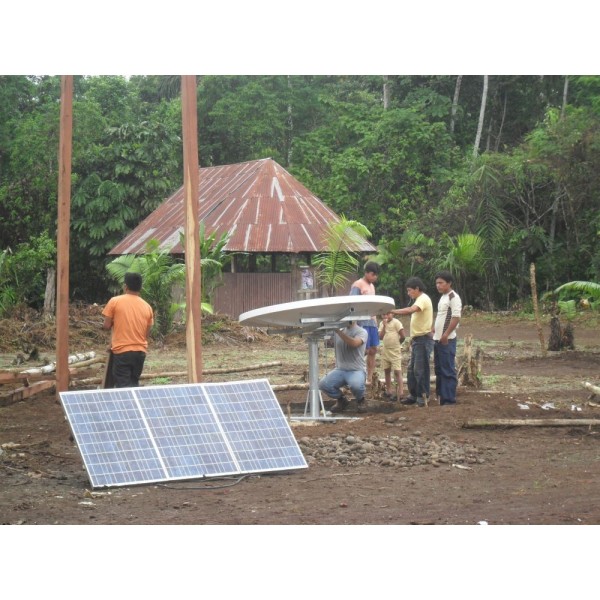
(568, 308)
(340, 260)
(589, 288)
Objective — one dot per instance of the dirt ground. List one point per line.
(515, 475)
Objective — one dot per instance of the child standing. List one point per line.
(391, 333)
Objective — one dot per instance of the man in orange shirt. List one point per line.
(130, 318)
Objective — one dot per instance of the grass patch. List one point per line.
(490, 381)
(160, 381)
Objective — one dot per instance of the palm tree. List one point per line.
(339, 262)
(212, 260)
(465, 256)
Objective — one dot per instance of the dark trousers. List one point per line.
(444, 363)
(127, 368)
(418, 372)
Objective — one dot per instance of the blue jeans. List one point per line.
(444, 363)
(418, 372)
(336, 379)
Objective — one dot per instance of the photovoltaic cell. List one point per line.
(161, 433)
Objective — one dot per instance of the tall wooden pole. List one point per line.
(62, 234)
(191, 178)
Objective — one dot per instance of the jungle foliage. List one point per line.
(395, 154)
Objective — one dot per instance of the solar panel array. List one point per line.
(162, 433)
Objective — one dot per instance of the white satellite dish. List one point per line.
(305, 313)
(315, 318)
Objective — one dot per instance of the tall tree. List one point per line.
(455, 102)
(481, 116)
(386, 92)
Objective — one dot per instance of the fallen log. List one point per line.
(50, 368)
(289, 386)
(593, 388)
(74, 371)
(89, 381)
(531, 423)
(87, 363)
(213, 371)
(275, 363)
(277, 388)
(93, 380)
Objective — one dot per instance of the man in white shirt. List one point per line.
(444, 338)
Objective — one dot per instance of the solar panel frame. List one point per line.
(152, 434)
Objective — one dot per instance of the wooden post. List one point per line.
(191, 176)
(536, 311)
(64, 220)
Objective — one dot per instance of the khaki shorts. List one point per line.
(391, 359)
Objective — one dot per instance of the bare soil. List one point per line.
(515, 475)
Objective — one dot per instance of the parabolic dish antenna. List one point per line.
(315, 319)
(305, 313)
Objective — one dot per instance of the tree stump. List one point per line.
(560, 337)
(469, 372)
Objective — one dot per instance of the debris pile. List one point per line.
(389, 451)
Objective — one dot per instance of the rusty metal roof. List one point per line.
(263, 207)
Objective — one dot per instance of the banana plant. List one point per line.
(588, 292)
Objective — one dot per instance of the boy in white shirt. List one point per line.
(444, 338)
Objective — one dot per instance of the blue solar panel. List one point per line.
(162, 433)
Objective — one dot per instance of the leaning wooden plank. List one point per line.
(26, 392)
(108, 381)
(531, 423)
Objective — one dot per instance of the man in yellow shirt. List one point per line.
(421, 344)
(130, 318)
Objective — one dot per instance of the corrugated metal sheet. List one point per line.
(242, 292)
(263, 207)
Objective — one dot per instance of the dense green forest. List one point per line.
(481, 174)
